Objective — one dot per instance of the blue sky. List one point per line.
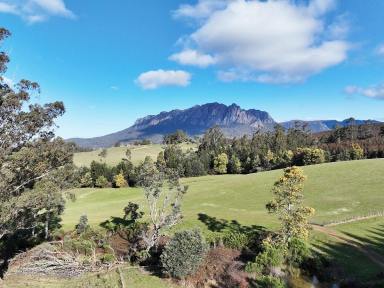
(112, 63)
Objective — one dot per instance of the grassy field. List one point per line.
(337, 191)
(115, 154)
(354, 263)
(368, 232)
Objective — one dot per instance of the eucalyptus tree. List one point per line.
(34, 165)
(163, 193)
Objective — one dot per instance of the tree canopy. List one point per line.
(34, 164)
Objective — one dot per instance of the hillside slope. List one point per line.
(337, 191)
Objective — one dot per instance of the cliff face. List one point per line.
(206, 116)
(233, 120)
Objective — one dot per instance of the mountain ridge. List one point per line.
(233, 120)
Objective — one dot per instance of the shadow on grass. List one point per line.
(116, 221)
(353, 260)
(375, 242)
(220, 225)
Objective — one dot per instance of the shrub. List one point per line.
(86, 180)
(183, 254)
(272, 256)
(107, 258)
(83, 224)
(356, 152)
(193, 166)
(309, 156)
(270, 282)
(101, 182)
(234, 165)
(79, 246)
(119, 180)
(235, 240)
(220, 163)
(298, 251)
(214, 239)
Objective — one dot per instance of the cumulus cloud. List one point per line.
(193, 57)
(376, 91)
(247, 37)
(34, 11)
(158, 78)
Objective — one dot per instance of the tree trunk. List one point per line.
(46, 228)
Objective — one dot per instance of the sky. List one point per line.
(112, 62)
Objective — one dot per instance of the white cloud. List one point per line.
(247, 36)
(203, 9)
(193, 57)
(158, 78)
(34, 11)
(7, 8)
(380, 50)
(54, 7)
(376, 91)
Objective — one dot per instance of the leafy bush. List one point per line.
(101, 182)
(234, 165)
(220, 163)
(83, 224)
(298, 251)
(107, 258)
(309, 156)
(86, 180)
(356, 152)
(183, 254)
(271, 256)
(270, 282)
(119, 180)
(79, 246)
(235, 240)
(193, 166)
(214, 239)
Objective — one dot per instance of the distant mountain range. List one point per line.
(325, 125)
(233, 121)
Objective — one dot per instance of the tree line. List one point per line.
(216, 154)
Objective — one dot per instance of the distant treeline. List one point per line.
(276, 149)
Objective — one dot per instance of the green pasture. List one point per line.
(115, 154)
(337, 191)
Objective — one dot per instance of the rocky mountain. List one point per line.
(233, 120)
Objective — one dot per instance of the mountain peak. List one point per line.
(233, 120)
